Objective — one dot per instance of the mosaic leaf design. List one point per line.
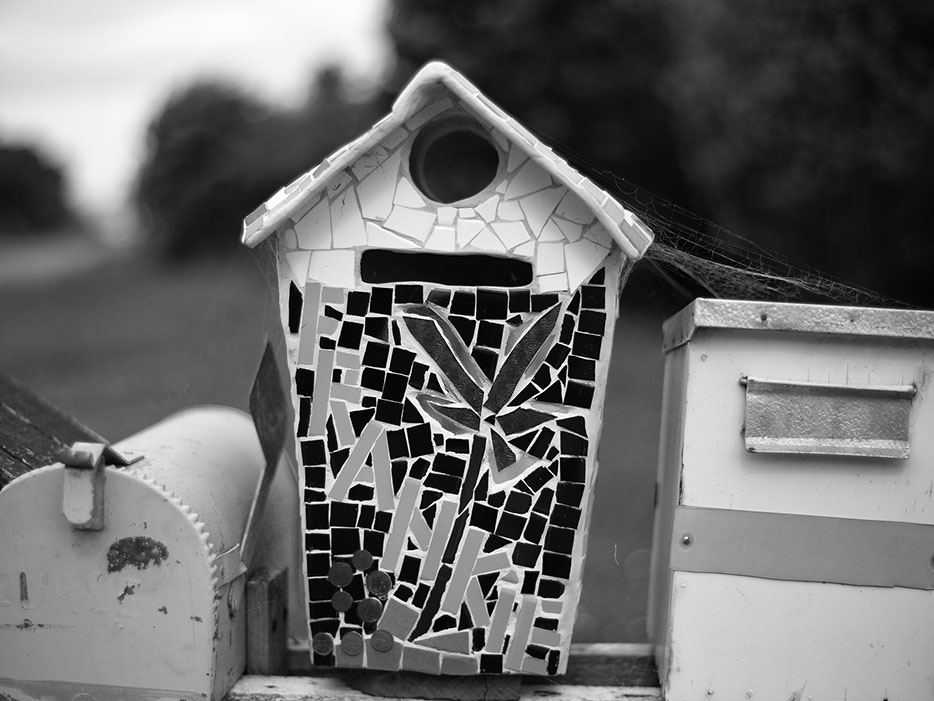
(484, 398)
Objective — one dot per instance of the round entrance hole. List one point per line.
(453, 161)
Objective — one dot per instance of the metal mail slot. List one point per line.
(825, 419)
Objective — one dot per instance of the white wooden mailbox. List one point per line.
(794, 528)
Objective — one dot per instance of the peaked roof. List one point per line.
(629, 233)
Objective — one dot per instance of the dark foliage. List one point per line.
(32, 191)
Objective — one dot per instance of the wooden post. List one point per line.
(266, 621)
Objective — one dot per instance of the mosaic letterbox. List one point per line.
(448, 287)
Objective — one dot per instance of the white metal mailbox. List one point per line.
(794, 526)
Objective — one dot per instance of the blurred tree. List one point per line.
(214, 153)
(32, 191)
(587, 76)
(809, 128)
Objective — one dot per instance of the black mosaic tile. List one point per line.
(320, 609)
(444, 622)
(567, 329)
(345, 541)
(550, 589)
(318, 564)
(398, 446)
(325, 625)
(464, 621)
(492, 304)
(495, 542)
(570, 493)
(446, 483)
(358, 303)
(356, 588)
(433, 383)
(320, 589)
(401, 361)
(556, 565)
(510, 526)
(382, 522)
(541, 302)
(395, 386)
(490, 334)
(440, 297)
(313, 495)
(295, 308)
(343, 514)
(592, 322)
(587, 345)
(519, 301)
(483, 516)
(317, 516)
(420, 440)
(367, 514)
(563, 375)
(314, 452)
(465, 327)
(318, 541)
(506, 643)
(557, 355)
(409, 294)
(480, 492)
(398, 470)
(582, 369)
(331, 435)
(304, 416)
(543, 503)
(381, 300)
(305, 382)
(457, 445)
(409, 570)
(529, 580)
(598, 277)
(477, 639)
(338, 458)
(417, 376)
(553, 394)
(539, 652)
(333, 313)
(593, 297)
(524, 441)
(421, 594)
(373, 542)
(429, 515)
(515, 320)
(573, 469)
(449, 464)
(376, 327)
(559, 540)
(497, 499)
(540, 446)
(572, 444)
(577, 394)
(526, 554)
(486, 583)
(486, 361)
(464, 303)
(389, 412)
(410, 414)
(454, 539)
(554, 658)
(563, 515)
(402, 592)
(523, 487)
(432, 603)
(396, 334)
(359, 419)
(368, 401)
(518, 503)
(376, 354)
(420, 468)
(336, 375)
(491, 664)
(326, 343)
(538, 478)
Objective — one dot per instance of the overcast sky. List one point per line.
(83, 78)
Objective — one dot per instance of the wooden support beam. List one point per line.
(266, 621)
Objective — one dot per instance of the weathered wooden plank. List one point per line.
(266, 621)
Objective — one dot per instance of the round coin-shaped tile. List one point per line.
(378, 583)
(322, 644)
(341, 601)
(382, 640)
(369, 610)
(340, 574)
(352, 643)
(362, 560)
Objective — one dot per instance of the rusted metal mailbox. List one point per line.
(794, 530)
(448, 285)
(121, 571)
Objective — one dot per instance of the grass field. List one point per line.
(125, 344)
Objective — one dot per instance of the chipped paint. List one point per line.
(128, 590)
(163, 609)
(138, 551)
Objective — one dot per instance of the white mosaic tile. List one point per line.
(581, 260)
(501, 188)
(379, 237)
(467, 230)
(277, 199)
(314, 229)
(446, 216)
(487, 241)
(500, 138)
(615, 210)
(527, 249)
(396, 137)
(516, 158)
(378, 188)
(466, 212)
(511, 233)
(432, 110)
(538, 207)
(306, 207)
(549, 258)
(368, 162)
(598, 234)
(411, 222)
(553, 283)
(407, 195)
(298, 263)
(599, 195)
(509, 210)
(531, 177)
(442, 239)
(334, 268)
(551, 232)
(487, 209)
(571, 230)
(337, 183)
(346, 222)
(289, 238)
(572, 207)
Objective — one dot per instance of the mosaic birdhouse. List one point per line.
(448, 289)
